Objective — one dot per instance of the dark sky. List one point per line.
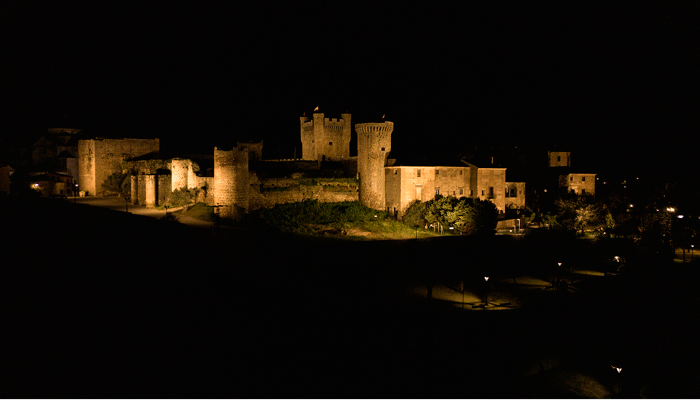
(617, 80)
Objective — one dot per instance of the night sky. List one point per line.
(612, 82)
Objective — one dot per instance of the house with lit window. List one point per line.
(579, 183)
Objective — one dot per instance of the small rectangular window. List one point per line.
(460, 172)
(330, 143)
(418, 173)
(461, 191)
(583, 179)
(571, 178)
(383, 149)
(437, 191)
(437, 172)
(558, 158)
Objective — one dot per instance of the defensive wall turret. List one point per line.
(231, 182)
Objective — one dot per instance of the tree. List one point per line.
(465, 215)
(119, 183)
(581, 213)
(415, 215)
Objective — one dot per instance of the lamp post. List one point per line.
(486, 299)
(619, 378)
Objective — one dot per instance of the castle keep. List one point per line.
(325, 139)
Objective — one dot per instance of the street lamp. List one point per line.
(619, 377)
(486, 301)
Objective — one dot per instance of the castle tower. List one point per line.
(325, 138)
(373, 147)
(179, 169)
(231, 182)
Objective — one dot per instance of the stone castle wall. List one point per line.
(270, 199)
(373, 147)
(231, 182)
(99, 158)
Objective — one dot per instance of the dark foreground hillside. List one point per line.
(98, 303)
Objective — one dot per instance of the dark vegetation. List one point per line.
(98, 303)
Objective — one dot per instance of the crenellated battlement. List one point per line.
(375, 127)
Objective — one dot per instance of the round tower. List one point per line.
(179, 173)
(373, 147)
(231, 182)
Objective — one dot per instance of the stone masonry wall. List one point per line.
(270, 199)
(99, 158)
(515, 195)
(492, 178)
(86, 165)
(373, 147)
(231, 182)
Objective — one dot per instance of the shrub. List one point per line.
(181, 197)
(118, 183)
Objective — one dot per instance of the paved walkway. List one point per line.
(118, 204)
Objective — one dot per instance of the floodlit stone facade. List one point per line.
(406, 184)
(581, 184)
(325, 138)
(99, 158)
(559, 158)
(373, 147)
(231, 182)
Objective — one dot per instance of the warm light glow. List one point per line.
(486, 278)
(316, 109)
(617, 258)
(680, 216)
(36, 185)
(618, 369)
(631, 205)
(559, 264)
(383, 116)
(670, 209)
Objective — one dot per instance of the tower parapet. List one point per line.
(231, 182)
(373, 147)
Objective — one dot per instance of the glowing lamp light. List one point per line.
(617, 258)
(316, 109)
(36, 185)
(680, 216)
(559, 264)
(486, 278)
(670, 209)
(631, 205)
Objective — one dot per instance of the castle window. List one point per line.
(330, 143)
(558, 158)
(460, 172)
(491, 196)
(571, 178)
(437, 191)
(383, 149)
(461, 191)
(418, 173)
(437, 172)
(583, 179)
